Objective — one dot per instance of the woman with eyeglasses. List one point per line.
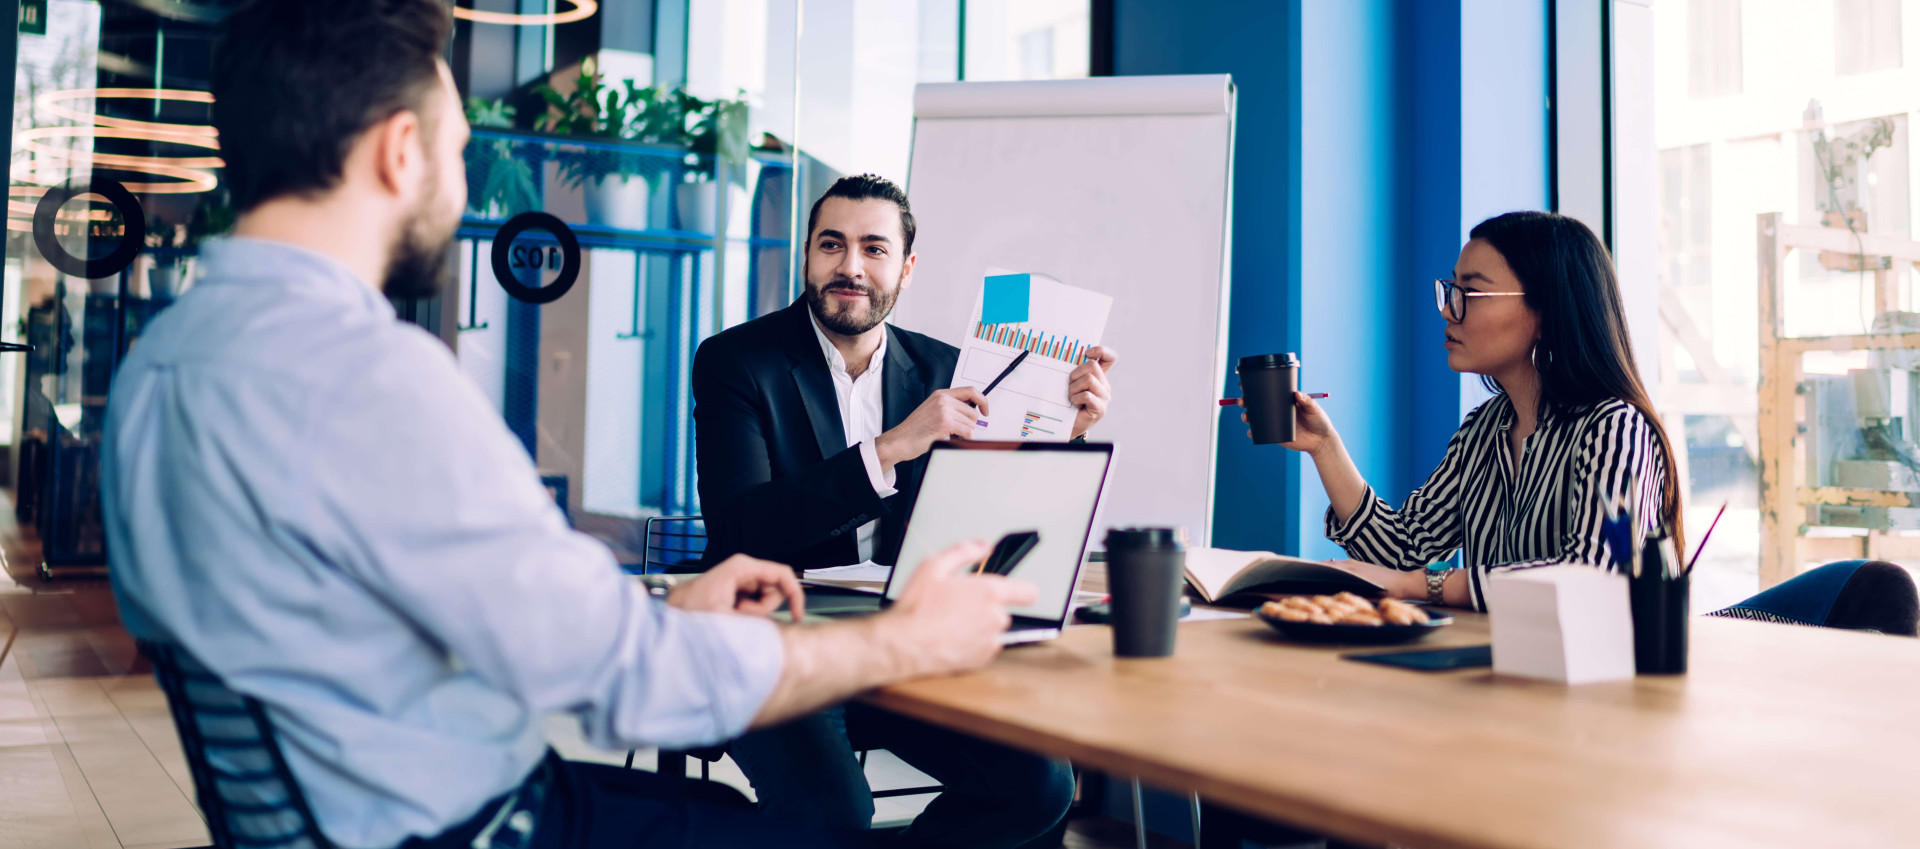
(1533, 308)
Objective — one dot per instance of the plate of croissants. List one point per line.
(1349, 618)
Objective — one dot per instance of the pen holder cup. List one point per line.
(1659, 624)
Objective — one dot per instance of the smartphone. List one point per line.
(1101, 612)
(1431, 660)
(1009, 551)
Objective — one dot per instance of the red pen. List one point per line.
(1235, 402)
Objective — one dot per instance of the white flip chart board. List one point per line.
(1120, 185)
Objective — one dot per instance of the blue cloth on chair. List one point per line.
(1808, 597)
(1851, 594)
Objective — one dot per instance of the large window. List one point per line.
(1801, 414)
(1713, 47)
(1026, 39)
(1866, 35)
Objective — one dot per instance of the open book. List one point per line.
(1216, 573)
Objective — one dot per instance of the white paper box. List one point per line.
(1571, 624)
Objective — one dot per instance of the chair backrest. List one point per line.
(675, 544)
(1854, 595)
(246, 792)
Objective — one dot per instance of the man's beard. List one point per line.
(849, 322)
(419, 262)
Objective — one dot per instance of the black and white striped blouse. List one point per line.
(1577, 460)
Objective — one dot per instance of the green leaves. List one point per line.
(721, 130)
(657, 115)
(510, 187)
(489, 112)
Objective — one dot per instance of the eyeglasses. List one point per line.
(1448, 295)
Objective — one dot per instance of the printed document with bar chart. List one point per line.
(1056, 323)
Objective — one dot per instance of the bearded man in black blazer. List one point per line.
(812, 427)
(809, 450)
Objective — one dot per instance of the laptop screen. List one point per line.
(982, 490)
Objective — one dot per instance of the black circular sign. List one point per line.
(133, 234)
(506, 257)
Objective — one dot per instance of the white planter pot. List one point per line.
(163, 281)
(739, 209)
(695, 204)
(617, 201)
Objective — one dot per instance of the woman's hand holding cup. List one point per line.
(1312, 432)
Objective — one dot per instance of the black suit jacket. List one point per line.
(777, 477)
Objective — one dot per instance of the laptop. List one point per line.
(985, 490)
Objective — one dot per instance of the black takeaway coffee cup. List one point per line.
(1267, 384)
(1145, 570)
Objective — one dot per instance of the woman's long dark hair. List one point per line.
(1584, 355)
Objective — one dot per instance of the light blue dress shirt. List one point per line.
(310, 497)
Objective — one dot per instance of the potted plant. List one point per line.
(717, 145)
(1839, 161)
(615, 184)
(162, 266)
(501, 184)
(171, 264)
(214, 216)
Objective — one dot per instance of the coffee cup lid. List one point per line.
(1269, 361)
(1146, 538)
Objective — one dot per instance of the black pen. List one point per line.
(1007, 371)
(1003, 376)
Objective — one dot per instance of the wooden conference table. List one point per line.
(1779, 736)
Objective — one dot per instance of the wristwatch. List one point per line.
(1436, 584)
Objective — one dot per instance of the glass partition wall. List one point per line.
(115, 179)
(1785, 201)
(637, 179)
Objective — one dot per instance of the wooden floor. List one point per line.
(88, 754)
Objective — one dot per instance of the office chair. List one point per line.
(249, 798)
(676, 545)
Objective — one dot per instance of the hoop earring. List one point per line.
(1537, 364)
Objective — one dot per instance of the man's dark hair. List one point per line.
(868, 187)
(296, 82)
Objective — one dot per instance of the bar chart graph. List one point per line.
(1045, 426)
(1023, 337)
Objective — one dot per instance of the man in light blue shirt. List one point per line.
(309, 497)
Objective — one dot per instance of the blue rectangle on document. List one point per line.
(1007, 300)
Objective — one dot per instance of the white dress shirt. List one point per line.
(309, 497)
(863, 416)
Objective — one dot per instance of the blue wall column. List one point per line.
(1257, 41)
(1347, 204)
(1504, 138)
(1351, 341)
(1429, 145)
(1371, 135)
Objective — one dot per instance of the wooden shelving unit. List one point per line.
(1784, 496)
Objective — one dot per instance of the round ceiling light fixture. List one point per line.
(582, 10)
(51, 101)
(190, 174)
(188, 170)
